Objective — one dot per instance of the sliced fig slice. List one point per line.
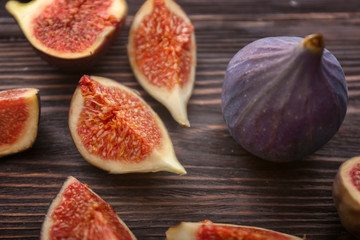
(79, 213)
(116, 130)
(162, 54)
(206, 230)
(19, 119)
(70, 34)
(346, 195)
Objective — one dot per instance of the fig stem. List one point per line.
(314, 43)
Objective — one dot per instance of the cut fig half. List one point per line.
(206, 230)
(79, 213)
(346, 195)
(162, 54)
(70, 34)
(19, 119)
(117, 131)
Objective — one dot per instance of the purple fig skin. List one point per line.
(347, 197)
(282, 100)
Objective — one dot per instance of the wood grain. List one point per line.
(224, 183)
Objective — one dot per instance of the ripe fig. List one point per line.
(70, 34)
(162, 54)
(117, 131)
(284, 97)
(19, 119)
(216, 231)
(346, 195)
(79, 213)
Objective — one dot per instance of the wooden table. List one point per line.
(224, 183)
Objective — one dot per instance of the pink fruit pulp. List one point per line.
(81, 214)
(221, 232)
(355, 176)
(162, 47)
(72, 25)
(14, 113)
(116, 125)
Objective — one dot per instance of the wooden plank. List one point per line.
(224, 183)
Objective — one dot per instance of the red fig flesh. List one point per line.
(70, 34)
(346, 195)
(115, 130)
(79, 213)
(19, 119)
(162, 54)
(206, 230)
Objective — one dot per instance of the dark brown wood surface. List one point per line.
(224, 183)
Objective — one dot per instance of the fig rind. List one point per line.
(48, 222)
(176, 99)
(189, 231)
(28, 134)
(346, 196)
(24, 13)
(162, 158)
(284, 98)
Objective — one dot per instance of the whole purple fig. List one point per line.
(284, 97)
(346, 195)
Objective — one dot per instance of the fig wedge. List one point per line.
(19, 119)
(162, 54)
(70, 34)
(79, 213)
(346, 195)
(117, 131)
(206, 230)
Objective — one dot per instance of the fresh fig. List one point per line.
(116, 130)
(70, 34)
(284, 97)
(346, 195)
(162, 54)
(79, 213)
(19, 119)
(206, 230)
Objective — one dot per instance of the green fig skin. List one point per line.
(284, 97)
